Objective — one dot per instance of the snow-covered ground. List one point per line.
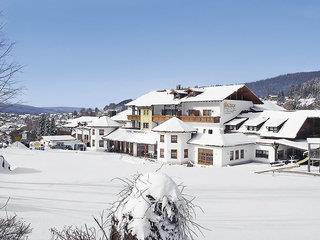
(56, 188)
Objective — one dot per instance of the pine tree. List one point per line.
(96, 111)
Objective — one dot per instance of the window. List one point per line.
(237, 154)
(145, 112)
(206, 112)
(204, 130)
(242, 153)
(161, 138)
(262, 154)
(273, 129)
(252, 128)
(205, 156)
(174, 153)
(186, 153)
(101, 143)
(161, 152)
(231, 127)
(101, 132)
(210, 131)
(145, 125)
(93, 131)
(174, 138)
(93, 143)
(231, 155)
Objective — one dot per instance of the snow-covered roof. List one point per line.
(131, 135)
(216, 93)
(289, 130)
(268, 105)
(313, 140)
(71, 123)
(275, 122)
(18, 144)
(219, 139)
(307, 101)
(295, 144)
(166, 97)
(174, 125)
(255, 121)
(163, 97)
(122, 116)
(58, 138)
(303, 145)
(236, 121)
(104, 121)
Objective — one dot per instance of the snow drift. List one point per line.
(4, 165)
(18, 145)
(152, 207)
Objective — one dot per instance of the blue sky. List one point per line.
(90, 53)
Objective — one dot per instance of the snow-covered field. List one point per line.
(56, 188)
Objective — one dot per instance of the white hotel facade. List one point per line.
(219, 126)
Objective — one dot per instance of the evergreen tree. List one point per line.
(96, 111)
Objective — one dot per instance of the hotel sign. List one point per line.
(229, 107)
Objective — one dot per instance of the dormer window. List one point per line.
(275, 124)
(235, 123)
(273, 129)
(255, 124)
(252, 128)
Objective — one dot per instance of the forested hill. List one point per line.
(282, 83)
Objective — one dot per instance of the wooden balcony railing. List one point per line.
(134, 117)
(199, 119)
(161, 118)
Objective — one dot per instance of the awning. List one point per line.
(134, 136)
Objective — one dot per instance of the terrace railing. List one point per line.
(134, 117)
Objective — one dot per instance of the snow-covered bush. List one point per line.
(152, 207)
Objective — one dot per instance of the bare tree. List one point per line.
(9, 87)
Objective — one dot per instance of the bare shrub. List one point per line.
(82, 233)
(13, 228)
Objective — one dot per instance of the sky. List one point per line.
(90, 53)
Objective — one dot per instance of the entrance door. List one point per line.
(205, 156)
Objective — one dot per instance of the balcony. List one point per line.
(184, 118)
(161, 118)
(134, 117)
(200, 119)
